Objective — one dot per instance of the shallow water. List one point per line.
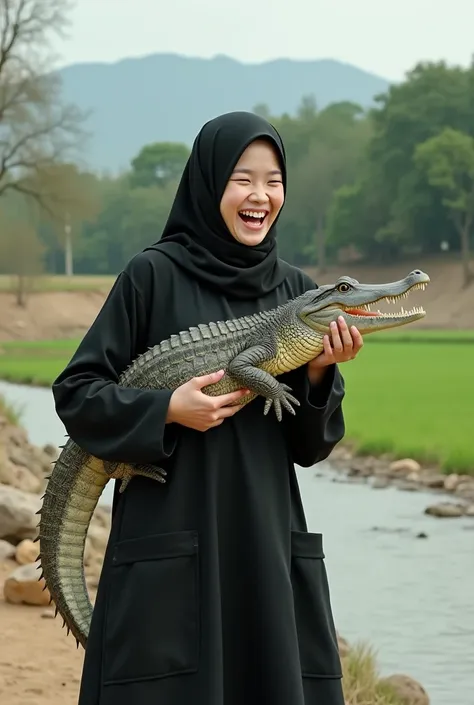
(410, 597)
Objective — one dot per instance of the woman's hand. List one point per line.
(190, 407)
(342, 345)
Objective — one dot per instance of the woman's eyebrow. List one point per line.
(274, 172)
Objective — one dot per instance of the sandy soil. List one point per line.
(39, 663)
(49, 315)
(54, 315)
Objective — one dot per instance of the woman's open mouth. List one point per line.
(253, 219)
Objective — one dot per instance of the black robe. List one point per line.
(212, 592)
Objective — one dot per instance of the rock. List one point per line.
(23, 586)
(406, 486)
(97, 536)
(48, 614)
(18, 519)
(380, 483)
(409, 691)
(51, 451)
(433, 480)
(27, 552)
(7, 550)
(405, 466)
(18, 476)
(469, 511)
(465, 489)
(446, 510)
(451, 482)
(14, 436)
(102, 515)
(364, 466)
(413, 477)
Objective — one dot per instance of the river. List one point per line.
(412, 598)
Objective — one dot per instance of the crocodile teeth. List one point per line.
(402, 313)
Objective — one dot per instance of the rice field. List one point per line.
(409, 393)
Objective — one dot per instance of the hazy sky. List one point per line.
(383, 36)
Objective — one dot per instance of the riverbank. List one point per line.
(408, 394)
(453, 493)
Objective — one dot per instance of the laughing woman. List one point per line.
(213, 592)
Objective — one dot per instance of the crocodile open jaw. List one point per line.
(366, 309)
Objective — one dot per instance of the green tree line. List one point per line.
(363, 184)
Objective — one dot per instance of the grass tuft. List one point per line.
(361, 679)
(12, 412)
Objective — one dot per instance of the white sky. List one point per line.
(386, 37)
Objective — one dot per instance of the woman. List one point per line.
(212, 591)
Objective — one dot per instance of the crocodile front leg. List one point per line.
(243, 368)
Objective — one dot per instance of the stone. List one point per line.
(465, 489)
(7, 550)
(408, 690)
(23, 586)
(433, 480)
(404, 466)
(18, 518)
(27, 552)
(380, 483)
(451, 482)
(446, 510)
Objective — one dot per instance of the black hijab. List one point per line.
(196, 236)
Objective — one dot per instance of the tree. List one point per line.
(158, 164)
(447, 161)
(324, 153)
(400, 209)
(69, 198)
(21, 252)
(36, 129)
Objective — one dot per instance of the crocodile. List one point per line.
(253, 351)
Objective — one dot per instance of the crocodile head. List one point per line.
(357, 303)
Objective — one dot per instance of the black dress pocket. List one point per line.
(152, 625)
(317, 638)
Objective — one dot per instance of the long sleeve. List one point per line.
(319, 422)
(108, 421)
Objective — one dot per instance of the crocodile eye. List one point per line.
(343, 287)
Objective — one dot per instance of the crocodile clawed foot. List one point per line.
(282, 398)
(151, 471)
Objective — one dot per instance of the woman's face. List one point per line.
(254, 194)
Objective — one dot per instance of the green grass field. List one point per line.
(409, 393)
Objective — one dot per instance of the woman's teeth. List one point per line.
(253, 219)
(254, 214)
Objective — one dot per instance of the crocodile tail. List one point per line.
(71, 496)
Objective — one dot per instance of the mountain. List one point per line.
(168, 97)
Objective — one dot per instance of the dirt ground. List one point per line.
(55, 315)
(49, 315)
(39, 663)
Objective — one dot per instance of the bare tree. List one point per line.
(21, 252)
(37, 131)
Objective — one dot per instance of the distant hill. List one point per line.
(168, 97)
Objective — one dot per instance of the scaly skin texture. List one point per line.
(253, 351)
